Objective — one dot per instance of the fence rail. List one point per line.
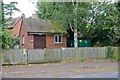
(22, 56)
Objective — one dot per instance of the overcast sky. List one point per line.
(25, 6)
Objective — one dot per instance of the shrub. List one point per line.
(110, 51)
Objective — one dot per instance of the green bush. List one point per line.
(110, 51)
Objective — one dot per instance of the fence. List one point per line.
(13, 56)
(20, 56)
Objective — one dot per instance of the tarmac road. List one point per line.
(67, 70)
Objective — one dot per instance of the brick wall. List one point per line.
(27, 37)
(51, 44)
(16, 28)
(29, 44)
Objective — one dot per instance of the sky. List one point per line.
(25, 7)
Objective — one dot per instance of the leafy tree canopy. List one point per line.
(97, 21)
(6, 39)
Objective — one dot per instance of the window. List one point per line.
(23, 39)
(58, 39)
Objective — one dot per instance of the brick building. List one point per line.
(33, 33)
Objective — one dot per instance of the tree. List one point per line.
(104, 23)
(71, 15)
(97, 21)
(6, 40)
(118, 8)
(9, 8)
(2, 20)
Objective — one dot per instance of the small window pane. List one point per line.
(60, 39)
(55, 38)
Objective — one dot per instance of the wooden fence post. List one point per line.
(25, 56)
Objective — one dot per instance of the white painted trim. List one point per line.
(58, 39)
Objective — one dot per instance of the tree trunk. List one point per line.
(75, 24)
(75, 38)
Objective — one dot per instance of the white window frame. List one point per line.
(23, 39)
(57, 39)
